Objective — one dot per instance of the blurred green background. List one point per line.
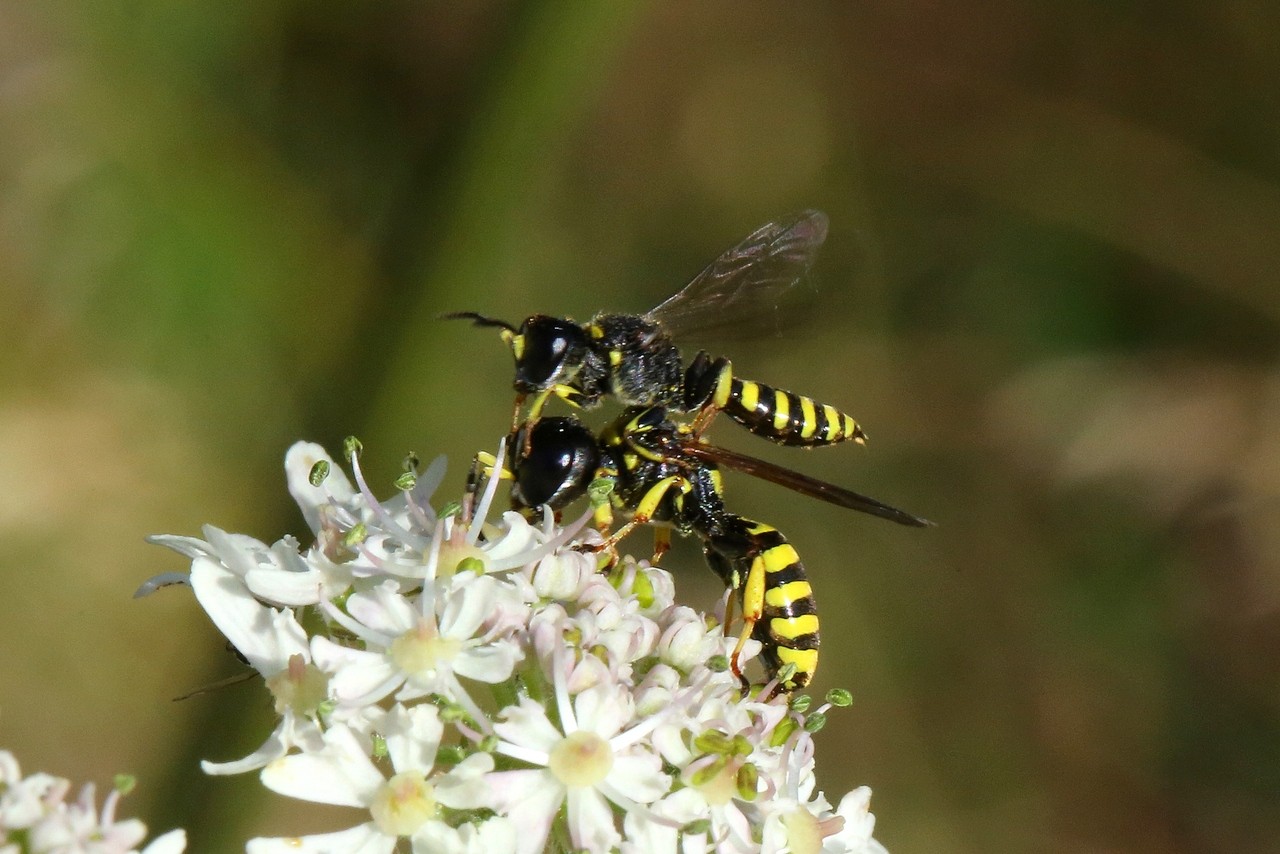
(1050, 293)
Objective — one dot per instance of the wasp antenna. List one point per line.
(478, 319)
(914, 521)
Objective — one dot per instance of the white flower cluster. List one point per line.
(482, 688)
(36, 818)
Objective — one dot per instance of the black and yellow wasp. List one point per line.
(634, 359)
(662, 473)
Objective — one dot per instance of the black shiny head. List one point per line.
(548, 350)
(562, 460)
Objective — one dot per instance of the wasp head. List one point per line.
(559, 465)
(548, 350)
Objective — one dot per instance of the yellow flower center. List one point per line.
(421, 649)
(403, 804)
(581, 759)
(455, 558)
(301, 687)
(804, 835)
(719, 787)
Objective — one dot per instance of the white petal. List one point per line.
(644, 835)
(591, 672)
(342, 774)
(301, 732)
(287, 588)
(526, 725)
(436, 837)
(591, 820)
(273, 748)
(510, 613)
(530, 799)
(356, 672)
(520, 537)
(859, 823)
(685, 643)
(773, 838)
(364, 839)
(466, 786)
(466, 607)
(298, 463)
(738, 826)
(668, 739)
(245, 621)
(638, 776)
(239, 552)
(490, 663)
(495, 836)
(173, 842)
(383, 609)
(331, 657)
(684, 806)
(189, 547)
(289, 637)
(546, 627)
(603, 709)
(562, 576)
(413, 736)
(429, 481)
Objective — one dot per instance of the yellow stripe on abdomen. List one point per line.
(805, 660)
(808, 418)
(781, 410)
(788, 628)
(785, 594)
(780, 557)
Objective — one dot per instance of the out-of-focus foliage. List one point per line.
(1050, 293)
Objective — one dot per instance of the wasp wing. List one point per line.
(739, 291)
(801, 483)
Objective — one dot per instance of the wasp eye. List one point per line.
(553, 348)
(561, 461)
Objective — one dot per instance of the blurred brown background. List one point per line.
(1050, 294)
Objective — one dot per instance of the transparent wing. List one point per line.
(801, 483)
(739, 292)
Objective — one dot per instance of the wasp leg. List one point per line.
(661, 544)
(480, 464)
(570, 395)
(481, 467)
(515, 415)
(752, 594)
(644, 511)
(728, 612)
(602, 518)
(703, 420)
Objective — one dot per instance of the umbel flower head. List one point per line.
(478, 686)
(37, 818)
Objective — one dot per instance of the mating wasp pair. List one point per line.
(633, 358)
(661, 471)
